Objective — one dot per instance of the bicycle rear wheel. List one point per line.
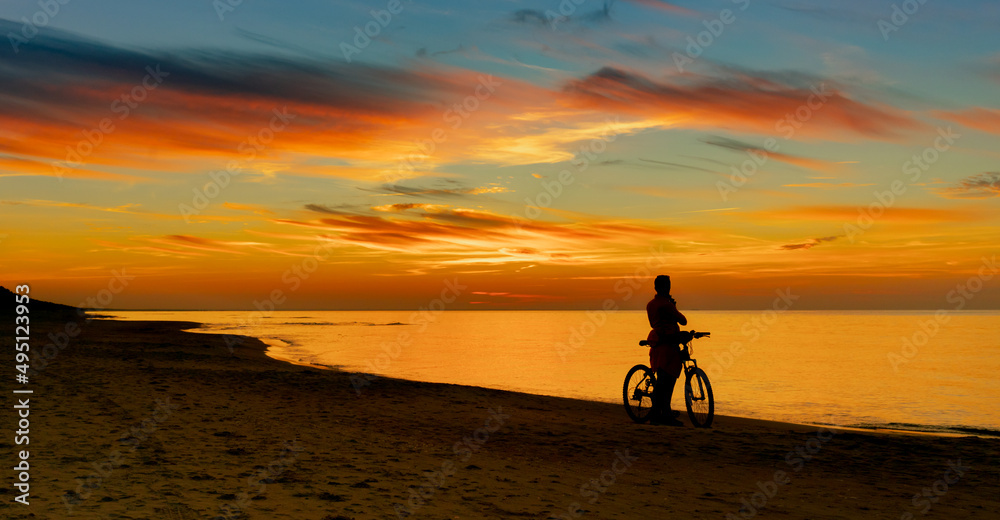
(637, 393)
(699, 399)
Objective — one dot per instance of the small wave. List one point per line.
(956, 429)
(975, 430)
(211, 327)
(343, 323)
(275, 341)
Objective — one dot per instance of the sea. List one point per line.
(905, 370)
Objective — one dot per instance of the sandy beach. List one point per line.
(136, 420)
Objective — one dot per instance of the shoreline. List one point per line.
(264, 438)
(892, 411)
(929, 431)
(272, 350)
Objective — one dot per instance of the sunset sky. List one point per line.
(217, 154)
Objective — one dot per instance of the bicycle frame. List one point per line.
(691, 364)
(697, 389)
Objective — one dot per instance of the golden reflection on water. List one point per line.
(835, 367)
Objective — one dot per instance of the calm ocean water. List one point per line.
(908, 370)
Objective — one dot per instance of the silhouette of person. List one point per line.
(664, 352)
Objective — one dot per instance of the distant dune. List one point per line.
(38, 309)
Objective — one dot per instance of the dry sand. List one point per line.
(139, 420)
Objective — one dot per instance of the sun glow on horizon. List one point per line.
(543, 166)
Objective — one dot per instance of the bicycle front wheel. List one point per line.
(637, 393)
(698, 397)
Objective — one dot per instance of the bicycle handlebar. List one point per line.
(694, 335)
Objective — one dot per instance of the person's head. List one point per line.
(662, 284)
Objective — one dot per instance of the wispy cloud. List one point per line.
(209, 102)
(207, 244)
(664, 6)
(251, 208)
(443, 235)
(828, 185)
(847, 214)
(747, 101)
(450, 188)
(980, 118)
(410, 205)
(504, 298)
(804, 162)
(991, 67)
(979, 186)
(127, 209)
(813, 242)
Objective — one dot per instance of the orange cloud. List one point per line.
(849, 214)
(411, 205)
(460, 236)
(129, 209)
(252, 208)
(813, 242)
(665, 6)
(205, 244)
(154, 250)
(827, 185)
(505, 298)
(985, 119)
(295, 114)
(743, 102)
(21, 167)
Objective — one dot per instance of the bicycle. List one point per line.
(640, 381)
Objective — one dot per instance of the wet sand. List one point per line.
(136, 420)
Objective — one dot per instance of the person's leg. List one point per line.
(671, 371)
(665, 386)
(666, 382)
(662, 413)
(658, 392)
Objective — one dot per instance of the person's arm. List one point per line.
(680, 317)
